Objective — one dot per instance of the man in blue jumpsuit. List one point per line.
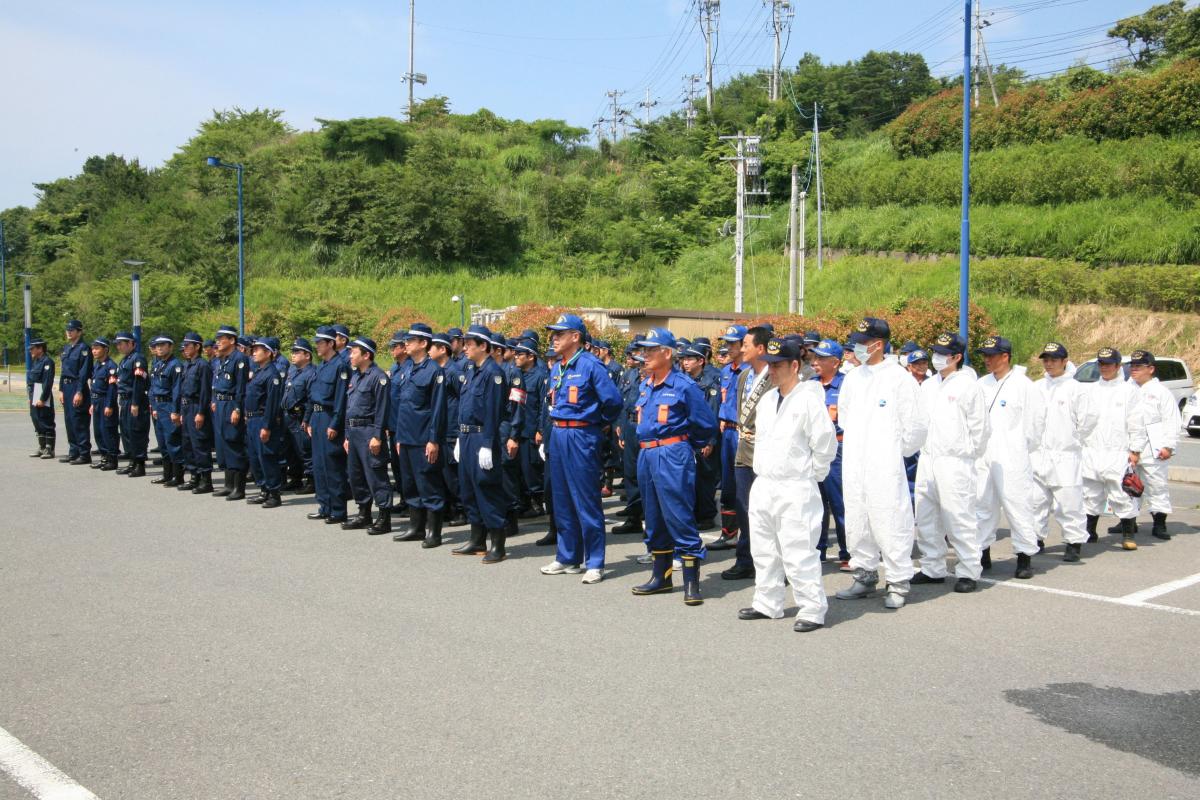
(480, 421)
(325, 421)
(194, 399)
(104, 405)
(165, 374)
(229, 427)
(133, 403)
(367, 400)
(675, 423)
(694, 360)
(532, 394)
(827, 362)
(728, 420)
(263, 406)
(454, 381)
(75, 372)
(39, 386)
(630, 386)
(295, 403)
(584, 403)
(414, 416)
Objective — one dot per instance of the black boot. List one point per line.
(1071, 554)
(260, 498)
(458, 516)
(204, 484)
(82, 458)
(416, 527)
(1024, 566)
(177, 477)
(48, 453)
(1129, 531)
(139, 468)
(190, 484)
(273, 499)
(691, 582)
(1159, 529)
(551, 537)
(167, 473)
(660, 574)
(497, 553)
(360, 520)
(476, 545)
(536, 508)
(227, 488)
(239, 485)
(985, 560)
(67, 459)
(383, 523)
(1118, 528)
(110, 464)
(433, 536)
(41, 448)
(1092, 521)
(307, 487)
(633, 524)
(510, 524)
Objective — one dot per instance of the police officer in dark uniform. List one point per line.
(75, 372)
(229, 426)
(694, 360)
(326, 424)
(630, 386)
(165, 375)
(104, 412)
(480, 420)
(728, 420)
(289, 460)
(133, 402)
(399, 364)
(295, 403)
(453, 383)
(533, 377)
(415, 419)
(39, 386)
(367, 400)
(265, 433)
(193, 394)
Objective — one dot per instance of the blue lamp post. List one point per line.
(213, 161)
(4, 289)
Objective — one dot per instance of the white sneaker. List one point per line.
(593, 576)
(645, 558)
(555, 568)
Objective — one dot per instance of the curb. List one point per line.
(1183, 474)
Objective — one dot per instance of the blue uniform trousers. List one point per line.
(264, 456)
(329, 468)
(835, 506)
(168, 434)
(43, 420)
(533, 469)
(708, 472)
(197, 442)
(453, 496)
(104, 429)
(135, 431)
(629, 468)
(744, 478)
(301, 445)
(575, 466)
(75, 420)
(514, 490)
(368, 473)
(422, 485)
(667, 477)
(231, 439)
(729, 443)
(482, 489)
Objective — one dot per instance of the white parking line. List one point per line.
(1163, 588)
(35, 774)
(1116, 601)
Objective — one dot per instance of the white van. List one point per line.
(1171, 373)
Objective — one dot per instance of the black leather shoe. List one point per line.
(383, 523)
(736, 573)
(258, 499)
(334, 520)
(77, 460)
(806, 626)
(921, 577)
(964, 585)
(359, 521)
(273, 500)
(706, 524)
(317, 515)
(751, 613)
(549, 540)
(1024, 566)
(1071, 554)
(308, 487)
(723, 543)
(629, 526)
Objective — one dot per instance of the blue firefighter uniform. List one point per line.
(133, 382)
(264, 413)
(514, 483)
(480, 415)
(75, 372)
(831, 487)
(228, 396)
(454, 384)
(630, 387)
(367, 401)
(728, 420)
(525, 428)
(327, 412)
(165, 374)
(417, 420)
(104, 408)
(194, 392)
(295, 403)
(708, 470)
(39, 386)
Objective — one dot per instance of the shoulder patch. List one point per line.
(516, 381)
(498, 379)
(241, 365)
(345, 375)
(439, 378)
(383, 381)
(276, 381)
(45, 366)
(462, 378)
(179, 369)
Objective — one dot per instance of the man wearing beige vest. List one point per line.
(752, 384)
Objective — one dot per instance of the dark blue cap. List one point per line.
(100, 341)
(364, 343)
(324, 332)
(734, 333)
(812, 338)
(226, 330)
(123, 336)
(1053, 350)
(441, 338)
(397, 338)
(36, 341)
(828, 348)
(161, 338)
(1109, 355)
(530, 333)
(568, 322)
(766, 326)
(526, 345)
(419, 330)
(917, 355)
(74, 325)
(601, 344)
(455, 333)
(784, 350)
(908, 347)
(340, 330)
(1141, 358)
(658, 337)
(498, 339)
(871, 328)
(302, 344)
(479, 333)
(995, 345)
(263, 342)
(246, 341)
(702, 344)
(949, 344)
(191, 337)
(210, 342)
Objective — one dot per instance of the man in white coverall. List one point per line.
(1160, 415)
(880, 413)
(1116, 442)
(1017, 415)
(795, 442)
(946, 473)
(1058, 461)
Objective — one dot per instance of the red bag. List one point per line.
(1131, 483)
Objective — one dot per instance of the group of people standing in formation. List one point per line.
(782, 437)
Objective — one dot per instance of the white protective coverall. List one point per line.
(1119, 431)
(1017, 416)
(795, 442)
(1058, 461)
(879, 409)
(1159, 410)
(946, 487)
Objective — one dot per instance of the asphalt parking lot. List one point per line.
(162, 645)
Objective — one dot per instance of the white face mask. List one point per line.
(940, 362)
(860, 353)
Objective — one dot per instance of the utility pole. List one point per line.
(4, 290)
(689, 90)
(618, 113)
(748, 163)
(796, 246)
(710, 15)
(964, 243)
(412, 76)
(781, 20)
(982, 61)
(647, 105)
(820, 193)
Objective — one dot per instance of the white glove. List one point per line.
(485, 458)
(456, 451)
(542, 451)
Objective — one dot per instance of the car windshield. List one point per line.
(1090, 372)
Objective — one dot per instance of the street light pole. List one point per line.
(136, 298)
(28, 326)
(213, 161)
(4, 289)
(462, 312)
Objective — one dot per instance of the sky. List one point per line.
(136, 77)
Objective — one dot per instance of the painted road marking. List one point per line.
(35, 774)
(1117, 601)
(1163, 588)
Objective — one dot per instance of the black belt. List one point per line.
(187, 401)
(123, 395)
(162, 398)
(251, 414)
(67, 380)
(322, 409)
(470, 429)
(222, 396)
(360, 422)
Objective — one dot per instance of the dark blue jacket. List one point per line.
(132, 379)
(230, 377)
(104, 385)
(264, 396)
(75, 363)
(481, 404)
(415, 418)
(41, 374)
(164, 381)
(327, 388)
(368, 398)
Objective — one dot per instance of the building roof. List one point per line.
(686, 313)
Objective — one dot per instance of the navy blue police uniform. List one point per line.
(295, 404)
(75, 372)
(265, 433)
(454, 382)
(228, 398)
(418, 421)
(133, 383)
(531, 396)
(39, 387)
(104, 408)
(165, 374)
(630, 388)
(367, 402)
(194, 399)
(326, 420)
